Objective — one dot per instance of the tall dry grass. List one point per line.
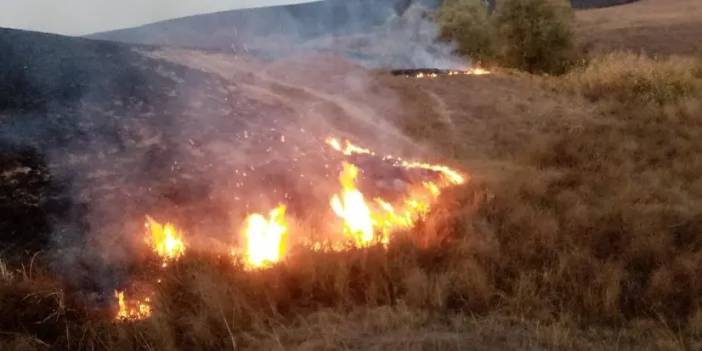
(629, 77)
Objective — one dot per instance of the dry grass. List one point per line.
(654, 27)
(635, 78)
(599, 220)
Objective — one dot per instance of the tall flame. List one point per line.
(132, 310)
(351, 206)
(265, 238)
(376, 221)
(165, 239)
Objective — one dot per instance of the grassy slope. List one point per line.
(653, 26)
(581, 231)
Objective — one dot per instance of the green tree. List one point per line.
(535, 35)
(466, 22)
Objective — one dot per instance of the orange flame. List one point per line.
(132, 310)
(351, 206)
(166, 240)
(265, 238)
(348, 148)
(377, 221)
(475, 71)
(452, 176)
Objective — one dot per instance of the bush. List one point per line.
(635, 79)
(535, 35)
(466, 22)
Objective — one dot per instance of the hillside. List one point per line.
(239, 30)
(577, 226)
(656, 27)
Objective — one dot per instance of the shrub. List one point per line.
(635, 78)
(466, 22)
(535, 35)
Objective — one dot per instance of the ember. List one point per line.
(133, 309)
(435, 72)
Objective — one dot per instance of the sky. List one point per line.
(79, 17)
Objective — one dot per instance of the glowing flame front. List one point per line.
(351, 206)
(347, 148)
(132, 310)
(165, 239)
(265, 238)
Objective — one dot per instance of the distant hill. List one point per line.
(376, 32)
(239, 28)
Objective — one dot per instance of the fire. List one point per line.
(351, 206)
(165, 239)
(475, 71)
(265, 238)
(452, 176)
(366, 223)
(132, 310)
(376, 221)
(416, 205)
(348, 148)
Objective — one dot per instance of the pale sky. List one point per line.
(78, 17)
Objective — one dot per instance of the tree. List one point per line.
(535, 35)
(466, 22)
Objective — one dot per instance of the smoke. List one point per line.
(375, 33)
(408, 39)
(204, 139)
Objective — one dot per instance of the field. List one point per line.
(651, 26)
(580, 227)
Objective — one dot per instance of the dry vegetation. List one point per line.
(582, 231)
(654, 27)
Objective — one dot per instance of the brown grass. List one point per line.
(653, 27)
(636, 78)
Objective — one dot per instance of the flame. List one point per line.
(348, 148)
(132, 310)
(415, 206)
(452, 176)
(351, 206)
(474, 71)
(165, 239)
(366, 222)
(265, 238)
